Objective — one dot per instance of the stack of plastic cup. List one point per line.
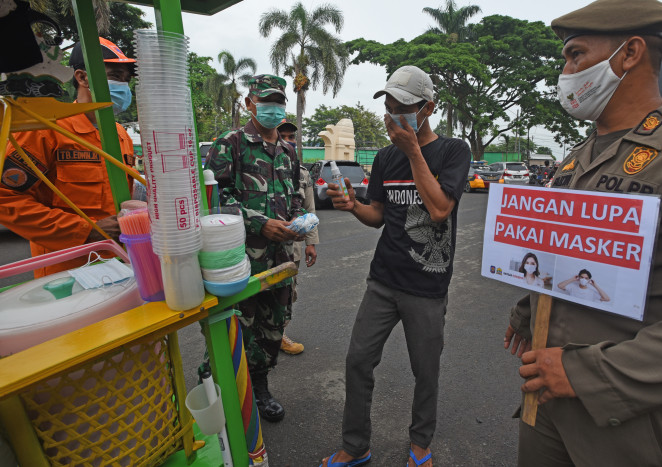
(171, 162)
(224, 262)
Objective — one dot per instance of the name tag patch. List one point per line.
(73, 155)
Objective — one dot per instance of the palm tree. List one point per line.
(223, 86)
(452, 21)
(306, 51)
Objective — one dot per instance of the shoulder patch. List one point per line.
(14, 177)
(650, 124)
(569, 166)
(639, 159)
(17, 175)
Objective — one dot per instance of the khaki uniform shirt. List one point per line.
(306, 191)
(614, 364)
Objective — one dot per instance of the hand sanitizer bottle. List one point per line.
(337, 178)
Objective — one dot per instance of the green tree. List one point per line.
(306, 51)
(210, 120)
(116, 21)
(452, 20)
(502, 81)
(224, 86)
(515, 143)
(452, 23)
(369, 129)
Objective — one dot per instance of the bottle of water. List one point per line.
(338, 179)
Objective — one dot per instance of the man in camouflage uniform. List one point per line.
(258, 172)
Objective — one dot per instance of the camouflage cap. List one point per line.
(611, 17)
(285, 124)
(265, 85)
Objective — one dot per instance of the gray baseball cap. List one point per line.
(408, 85)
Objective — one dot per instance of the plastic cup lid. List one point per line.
(221, 220)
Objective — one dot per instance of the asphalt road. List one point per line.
(479, 382)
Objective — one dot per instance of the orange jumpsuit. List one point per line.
(30, 209)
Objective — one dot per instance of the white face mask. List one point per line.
(583, 282)
(530, 268)
(584, 95)
(99, 275)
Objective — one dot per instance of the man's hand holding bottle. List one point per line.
(341, 201)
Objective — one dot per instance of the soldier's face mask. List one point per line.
(585, 94)
(269, 114)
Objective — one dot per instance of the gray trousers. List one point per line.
(423, 322)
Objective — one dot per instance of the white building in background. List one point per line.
(539, 159)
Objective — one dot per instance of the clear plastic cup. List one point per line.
(182, 281)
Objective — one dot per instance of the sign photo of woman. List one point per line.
(583, 286)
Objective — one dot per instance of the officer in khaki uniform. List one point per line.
(601, 374)
(287, 132)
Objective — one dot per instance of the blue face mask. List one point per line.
(294, 145)
(120, 94)
(269, 114)
(410, 118)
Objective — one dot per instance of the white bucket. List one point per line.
(210, 418)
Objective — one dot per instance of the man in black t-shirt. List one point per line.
(415, 187)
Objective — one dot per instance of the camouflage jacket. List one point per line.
(262, 180)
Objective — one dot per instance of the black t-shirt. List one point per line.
(415, 254)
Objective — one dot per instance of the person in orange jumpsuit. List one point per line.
(29, 208)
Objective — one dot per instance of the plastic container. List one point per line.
(209, 417)
(182, 281)
(221, 259)
(55, 305)
(146, 266)
(227, 288)
(229, 274)
(222, 232)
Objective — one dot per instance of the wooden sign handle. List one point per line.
(530, 408)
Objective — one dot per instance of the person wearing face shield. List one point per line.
(29, 208)
(258, 173)
(599, 378)
(415, 187)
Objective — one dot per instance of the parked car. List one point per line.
(474, 181)
(511, 172)
(488, 175)
(320, 173)
(203, 148)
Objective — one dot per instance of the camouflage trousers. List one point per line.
(262, 323)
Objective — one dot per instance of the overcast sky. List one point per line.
(236, 29)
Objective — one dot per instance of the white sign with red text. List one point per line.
(582, 246)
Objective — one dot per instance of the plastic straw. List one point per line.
(134, 222)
